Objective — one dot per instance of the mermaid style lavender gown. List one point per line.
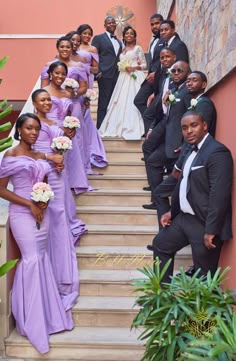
(62, 236)
(95, 145)
(36, 304)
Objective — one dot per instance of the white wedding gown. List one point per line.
(123, 118)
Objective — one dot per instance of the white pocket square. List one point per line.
(197, 167)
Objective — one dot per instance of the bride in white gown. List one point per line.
(123, 118)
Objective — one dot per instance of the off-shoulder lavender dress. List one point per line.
(63, 235)
(36, 304)
(95, 145)
(74, 164)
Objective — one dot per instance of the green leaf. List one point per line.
(6, 112)
(7, 267)
(3, 61)
(6, 145)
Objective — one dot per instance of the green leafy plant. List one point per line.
(5, 143)
(174, 315)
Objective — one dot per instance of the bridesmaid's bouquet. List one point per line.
(123, 64)
(91, 95)
(71, 122)
(71, 84)
(41, 192)
(61, 144)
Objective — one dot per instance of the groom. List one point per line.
(109, 49)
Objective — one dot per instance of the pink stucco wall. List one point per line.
(27, 56)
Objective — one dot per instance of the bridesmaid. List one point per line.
(61, 107)
(36, 303)
(89, 52)
(74, 37)
(76, 71)
(69, 229)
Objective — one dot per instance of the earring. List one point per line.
(19, 137)
(50, 78)
(35, 111)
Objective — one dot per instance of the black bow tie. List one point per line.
(113, 37)
(194, 148)
(155, 37)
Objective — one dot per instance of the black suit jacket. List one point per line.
(174, 137)
(209, 188)
(107, 56)
(181, 52)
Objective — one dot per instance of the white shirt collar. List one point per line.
(170, 40)
(199, 145)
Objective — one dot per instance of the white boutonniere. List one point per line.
(193, 103)
(172, 99)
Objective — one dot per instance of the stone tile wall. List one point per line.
(208, 27)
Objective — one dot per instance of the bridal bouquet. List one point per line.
(91, 95)
(41, 192)
(71, 122)
(61, 144)
(123, 64)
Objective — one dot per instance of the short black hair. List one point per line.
(37, 92)
(21, 120)
(169, 22)
(202, 75)
(63, 38)
(159, 16)
(169, 49)
(55, 64)
(193, 113)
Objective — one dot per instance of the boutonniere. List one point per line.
(193, 103)
(172, 99)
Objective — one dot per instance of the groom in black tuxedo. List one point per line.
(109, 49)
(201, 204)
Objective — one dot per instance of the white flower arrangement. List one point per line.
(61, 144)
(42, 192)
(70, 83)
(71, 122)
(90, 94)
(172, 99)
(193, 103)
(123, 64)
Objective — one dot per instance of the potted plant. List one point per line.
(174, 315)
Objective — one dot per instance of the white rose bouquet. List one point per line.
(71, 122)
(90, 95)
(41, 192)
(71, 84)
(123, 64)
(61, 144)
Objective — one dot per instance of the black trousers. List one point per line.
(140, 100)
(186, 229)
(151, 113)
(161, 196)
(105, 87)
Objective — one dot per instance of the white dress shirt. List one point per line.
(115, 42)
(152, 46)
(184, 203)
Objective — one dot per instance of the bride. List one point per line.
(123, 118)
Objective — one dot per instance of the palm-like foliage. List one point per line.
(174, 315)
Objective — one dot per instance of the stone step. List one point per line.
(117, 181)
(124, 257)
(118, 235)
(116, 167)
(113, 197)
(123, 154)
(97, 311)
(82, 343)
(120, 143)
(117, 215)
(98, 282)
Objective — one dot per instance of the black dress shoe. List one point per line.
(150, 206)
(190, 272)
(148, 188)
(143, 159)
(150, 247)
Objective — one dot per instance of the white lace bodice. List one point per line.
(136, 56)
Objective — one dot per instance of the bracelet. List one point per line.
(46, 156)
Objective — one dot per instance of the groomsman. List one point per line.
(140, 101)
(109, 49)
(169, 38)
(201, 204)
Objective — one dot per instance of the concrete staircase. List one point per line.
(108, 257)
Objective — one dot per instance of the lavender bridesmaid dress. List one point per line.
(36, 304)
(64, 235)
(74, 164)
(95, 145)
